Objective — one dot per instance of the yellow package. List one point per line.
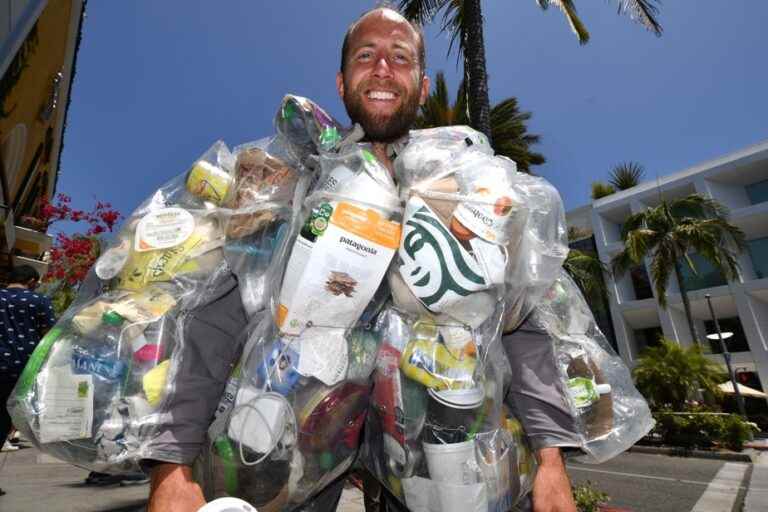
(208, 182)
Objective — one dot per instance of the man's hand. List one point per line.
(173, 490)
(552, 487)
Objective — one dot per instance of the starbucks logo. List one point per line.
(436, 268)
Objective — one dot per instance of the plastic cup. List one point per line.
(451, 414)
(453, 463)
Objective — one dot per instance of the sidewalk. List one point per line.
(34, 481)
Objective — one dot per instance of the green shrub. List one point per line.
(703, 430)
(588, 498)
(600, 190)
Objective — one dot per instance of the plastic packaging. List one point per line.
(610, 413)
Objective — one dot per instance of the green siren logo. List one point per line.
(436, 268)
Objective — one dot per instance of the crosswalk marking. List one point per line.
(757, 496)
(640, 475)
(720, 494)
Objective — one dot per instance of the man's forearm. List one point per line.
(551, 486)
(173, 489)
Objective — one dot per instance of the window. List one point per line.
(706, 275)
(758, 192)
(736, 343)
(758, 251)
(641, 282)
(648, 337)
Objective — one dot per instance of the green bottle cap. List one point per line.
(112, 318)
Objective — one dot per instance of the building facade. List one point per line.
(740, 182)
(38, 47)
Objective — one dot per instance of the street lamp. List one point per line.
(726, 355)
(715, 337)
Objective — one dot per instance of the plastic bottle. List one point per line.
(585, 392)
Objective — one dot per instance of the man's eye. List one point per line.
(364, 56)
(402, 58)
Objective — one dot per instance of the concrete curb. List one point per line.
(699, 454)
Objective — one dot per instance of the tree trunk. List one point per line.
(686, 304)
(474, 69)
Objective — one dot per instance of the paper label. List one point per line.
(338, 274)
(324, 355)
(164, 228)
(66, 405)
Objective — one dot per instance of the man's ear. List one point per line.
(340, 84)
(424, 90)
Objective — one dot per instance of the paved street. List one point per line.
(36, 482)
(636, 482)
(659, 483)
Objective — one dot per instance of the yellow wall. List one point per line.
(32, 92)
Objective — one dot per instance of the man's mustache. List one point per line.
(386, 85)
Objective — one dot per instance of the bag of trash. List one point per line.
(291, 419)
(475, 229)
(437, 434)
(609, 412)
(95, 391)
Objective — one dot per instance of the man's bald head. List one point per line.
(389, 14)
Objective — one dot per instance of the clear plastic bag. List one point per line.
(291, 420)
(475, 230)
(610, 413)
(437, 434)
(95, 391)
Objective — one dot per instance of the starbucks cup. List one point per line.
(453, 414)
(452, 463)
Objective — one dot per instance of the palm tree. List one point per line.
(626, 175)
(668, 374)
(586, 270)
(667, 233)
(464, 20)
(509, 132)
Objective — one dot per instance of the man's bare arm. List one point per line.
(551, 486)
(174, 490)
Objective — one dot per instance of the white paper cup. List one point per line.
(454, 463)
(228, 505)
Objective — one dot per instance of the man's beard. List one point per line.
(382, 128)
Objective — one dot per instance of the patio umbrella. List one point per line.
(727, 387)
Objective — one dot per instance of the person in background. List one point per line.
(25, 317)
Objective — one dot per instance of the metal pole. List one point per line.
(727, 357)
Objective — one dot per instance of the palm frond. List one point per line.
(642, 11)
(569, 10)
(626, 175)
(662, 263)
(421, 11)
(587, 271)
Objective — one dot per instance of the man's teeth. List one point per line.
(381, 95)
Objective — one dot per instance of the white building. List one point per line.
(738, 181)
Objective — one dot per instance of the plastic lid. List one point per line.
(459, 398)
(112, 318)
(228, 504)
(603, 389)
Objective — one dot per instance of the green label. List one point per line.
(583, 391)
(36, 361)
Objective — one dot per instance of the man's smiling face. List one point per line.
(383, 83)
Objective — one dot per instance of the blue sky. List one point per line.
(158, 82)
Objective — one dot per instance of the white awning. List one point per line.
(727, 387)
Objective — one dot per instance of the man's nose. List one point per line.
(382, 69)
